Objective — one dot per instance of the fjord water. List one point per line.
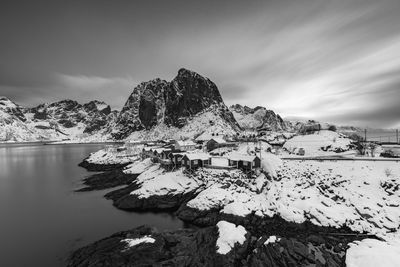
(42, 219)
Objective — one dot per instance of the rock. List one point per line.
(170, 248)
(106, 180)
(122, 199)
(93, 167)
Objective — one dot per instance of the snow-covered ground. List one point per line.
(207, 122)
(315, 144)
(110, 156)
(156, 181)
(362, 195)
(372, 253)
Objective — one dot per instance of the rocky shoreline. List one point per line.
(300, 244)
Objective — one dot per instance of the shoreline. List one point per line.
(305, 243)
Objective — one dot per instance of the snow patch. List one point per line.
(131, 242)
(372, 252)
(229, 235)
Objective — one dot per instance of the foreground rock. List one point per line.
(226, 244)
(97, 167)
(108, 179)
(145, 246)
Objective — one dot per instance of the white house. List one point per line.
(187, 145)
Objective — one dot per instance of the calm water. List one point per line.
(42, 219)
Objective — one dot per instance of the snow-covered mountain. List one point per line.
(258, 118)
(185, 107)
(61, 120)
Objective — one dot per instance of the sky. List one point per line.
(330, 60)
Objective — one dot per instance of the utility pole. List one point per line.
(365, 135)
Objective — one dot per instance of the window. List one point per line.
(195, 162)
(245, 163)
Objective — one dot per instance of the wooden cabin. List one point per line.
(195, 160)
(217, 142)
(244, 162)
(176, 157)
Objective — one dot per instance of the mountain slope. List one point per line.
(61, 120)
(258, 118)
(173, 105)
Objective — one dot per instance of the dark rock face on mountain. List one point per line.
(68, 113)
(171, 103)
(258, 118)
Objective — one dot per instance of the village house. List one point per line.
(218, 142)
(195, 160)
(187, 145)
(176, 158)
(244, 162)
(147, 152)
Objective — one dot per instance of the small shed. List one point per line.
(195, 160)
(245, 162)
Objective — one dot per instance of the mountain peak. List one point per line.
(171, 103)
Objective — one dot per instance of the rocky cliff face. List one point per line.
(258, 118)
(158, 102)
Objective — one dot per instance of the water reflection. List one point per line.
(41, 217)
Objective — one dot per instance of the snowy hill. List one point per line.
(258, 117)
(318, 143)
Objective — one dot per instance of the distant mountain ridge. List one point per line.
(258, 118)
(55, 121)
(186, 107)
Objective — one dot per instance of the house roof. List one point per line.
(219, 140)
(199, 156)
(186, 143)
(242, 157)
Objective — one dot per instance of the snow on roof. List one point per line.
(243, 157)
(186, 143)
(219, 140)
(204, 137)
(199, 156)
(229, 235)
(372, 252)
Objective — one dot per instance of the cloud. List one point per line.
(319, 59)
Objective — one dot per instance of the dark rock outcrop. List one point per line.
(108, 179)
(186, 247)
(93, 167)
(171, 103)
(122, 199)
